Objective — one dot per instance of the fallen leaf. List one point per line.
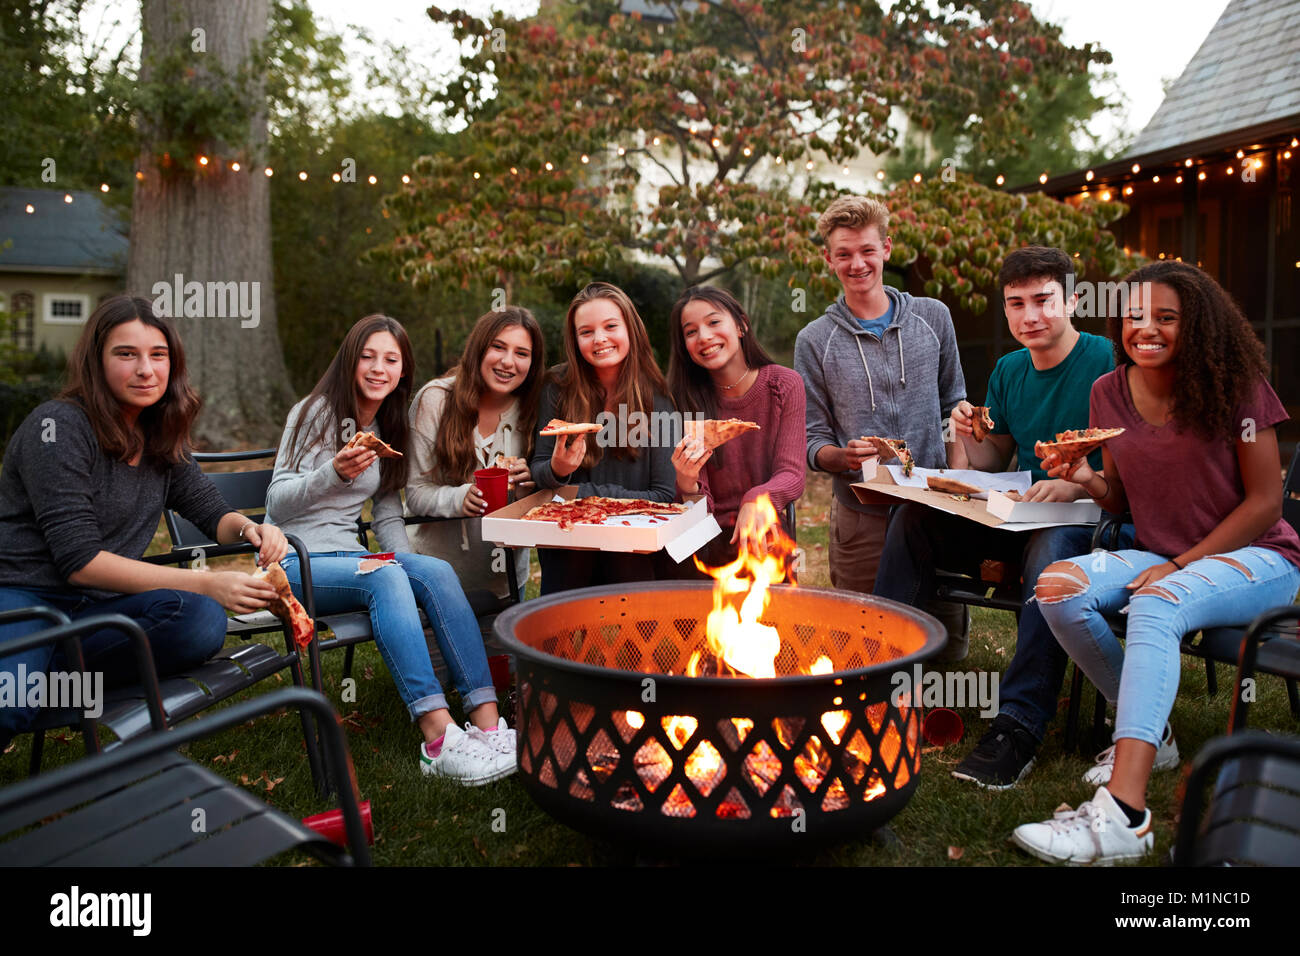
(272, 784)
(956, 852)
(368, 672)
(479, 846)
(13, 744)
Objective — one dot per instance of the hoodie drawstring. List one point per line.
(902, 368)
(870, 387)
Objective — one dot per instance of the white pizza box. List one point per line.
(1026, 516)
(681, 535)
(1057, 512)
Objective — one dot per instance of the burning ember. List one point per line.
(740, 645)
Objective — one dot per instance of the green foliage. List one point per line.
(736, 93)
(60, 95)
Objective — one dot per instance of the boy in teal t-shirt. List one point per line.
(1033, 393)
(1031, 404)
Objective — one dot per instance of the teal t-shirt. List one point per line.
(1033, 406)
(877, 326)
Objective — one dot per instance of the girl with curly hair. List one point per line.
(1198, 468)
(485, 407)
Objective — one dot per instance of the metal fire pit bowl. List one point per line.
(617, 741)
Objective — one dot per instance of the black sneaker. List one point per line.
(1001, 758)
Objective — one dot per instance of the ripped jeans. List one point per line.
(1142, 680)
(390, 594)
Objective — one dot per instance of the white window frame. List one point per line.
(47, 307)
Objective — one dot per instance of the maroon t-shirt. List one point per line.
(770, 460)
(1180, 486)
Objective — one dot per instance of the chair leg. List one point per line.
(1100, 740)
(347, 661)
(1211, 678)
(1072, 712)
(314, 761)
(38, 749)
(1294, 698)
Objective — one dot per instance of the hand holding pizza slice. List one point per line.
(1075, 444)
(370, 440)
(286, 606)
(714, 432)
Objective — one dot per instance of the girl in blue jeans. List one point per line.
(1198, 468)
(317, 492)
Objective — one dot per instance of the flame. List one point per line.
(740, 596)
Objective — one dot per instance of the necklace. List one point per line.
(737, 382)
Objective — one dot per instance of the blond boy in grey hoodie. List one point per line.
(879, 363)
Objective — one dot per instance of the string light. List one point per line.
(550, 167)
(374, 179)
(234, 167)
(621, 152)
(1137, 168)
(747, 151)
(1178, 178)
(655, 142)
(476, 174)
(30, 209)
(103, 187)
(1042, 178)
(139, 174)
(1287, 154)
(1002, 179)
(916, 178)
(67, 198)
(336, 177)
(1128, 190)
(1229, 170)
(880, 175)
(203, 160)
(1187, 162)
(692, 129)
(1105, 195)
(1155, 178)
(303, 176)
(1201, 175)
(585, 159)
(715, 142)
(778, 160)
(514, 170)
(1088, 175)
(269, 172)
(808, 165)
(1258, 163)
(844, 170)
(1294, 142)
(1241, 154)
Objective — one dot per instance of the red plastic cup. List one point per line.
(493, 484)
(499, 664)
(330, 824)
(942, 727)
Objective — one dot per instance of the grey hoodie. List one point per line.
(901, 385)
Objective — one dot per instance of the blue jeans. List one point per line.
(1142, 680)
(184, 629)
(921, 539)
(390, 595)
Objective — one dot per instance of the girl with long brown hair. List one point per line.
(317, 492)
(86, 478)
(485, 407)
(718, 369)
(610, 370)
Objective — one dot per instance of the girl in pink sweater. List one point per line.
(718, 369)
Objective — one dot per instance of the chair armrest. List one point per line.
(1216, 752)
(70, 634)
(1105, 536)
(228, 456)
(1258, 630)
(40, 610)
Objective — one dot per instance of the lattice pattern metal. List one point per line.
(613, 735)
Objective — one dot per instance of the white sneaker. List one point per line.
(501, 740)
(1096, 833)
(467, 758)
(1166, 759)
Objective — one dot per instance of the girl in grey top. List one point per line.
(317, 493)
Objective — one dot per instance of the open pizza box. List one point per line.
(998, 511)
(681, 535)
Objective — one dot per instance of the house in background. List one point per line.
(1212, 178)
(61, 252)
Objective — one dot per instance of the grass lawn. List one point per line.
(421, 821)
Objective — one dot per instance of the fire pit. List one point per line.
(633, 727)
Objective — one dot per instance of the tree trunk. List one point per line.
(212, 227)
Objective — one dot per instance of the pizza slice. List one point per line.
(894, 448)
(374, 443)
(507, 461)
(1076, 443)
(287, 607)
(558, 426)
(981, 424)
(951, 486)
(714, 432)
